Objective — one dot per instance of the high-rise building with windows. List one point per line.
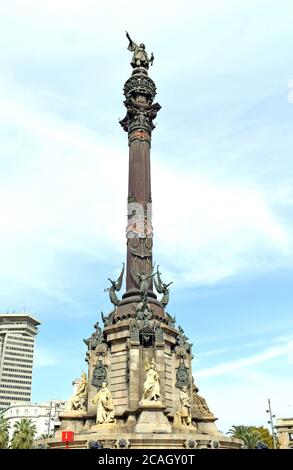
(17, 341)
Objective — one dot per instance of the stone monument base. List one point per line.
(151, 418)
(146, 440)
(102, 428)
(146, 427)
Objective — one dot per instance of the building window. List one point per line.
(26, 411)
(290, 436)
(17, 412)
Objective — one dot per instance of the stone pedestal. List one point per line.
(152, 419)
(71, 421)
(148, 440)
(104, 428)
(207, 425)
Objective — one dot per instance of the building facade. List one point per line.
(17, 342)
(45, 416)
(284, 429)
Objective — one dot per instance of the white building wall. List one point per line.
(44, 415)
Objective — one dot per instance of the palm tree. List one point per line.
(252, 438)
(247, 434)
(4, 436)
(23, 434)
(238, 431)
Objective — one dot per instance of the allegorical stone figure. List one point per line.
(77, 401)
(185, 407)
(105, 408)
(183, 417)
(140, 57)
(200, 403)
(151, 386)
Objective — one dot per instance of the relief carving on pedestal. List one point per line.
(99, 374)
(159, 334)
(134, 331)
(182, 375)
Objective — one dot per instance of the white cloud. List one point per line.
(229, 226)
(243, 400)
(237, 390)
(237, 364)
(212, 352)
(290, 351)
(64, 187)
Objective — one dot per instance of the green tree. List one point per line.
(4, 437)
(247, 434)
(23, 434)
(266, 436)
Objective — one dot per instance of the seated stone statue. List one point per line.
(151, 386)
(105, 408)
(78, 401)
(200, 403)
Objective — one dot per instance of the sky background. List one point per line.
(222, 172)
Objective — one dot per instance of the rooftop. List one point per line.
(20, 317)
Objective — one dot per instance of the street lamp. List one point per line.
(50, 419)
(271, 422)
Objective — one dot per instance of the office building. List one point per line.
(17, 341)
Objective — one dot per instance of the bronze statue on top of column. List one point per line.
(140, 57)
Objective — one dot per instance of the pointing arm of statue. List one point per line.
(132, 44)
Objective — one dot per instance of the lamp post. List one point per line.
(49, 420)
(271, 422)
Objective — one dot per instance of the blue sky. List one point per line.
(221, 172)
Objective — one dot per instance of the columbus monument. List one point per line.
(139, 390)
